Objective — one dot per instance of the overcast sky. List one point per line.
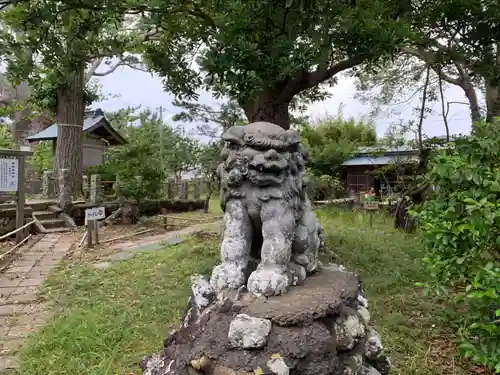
(134, 88)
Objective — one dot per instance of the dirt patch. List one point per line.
(114, 237)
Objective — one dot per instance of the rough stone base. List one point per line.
(319, 328)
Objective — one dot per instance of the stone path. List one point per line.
(20, 310)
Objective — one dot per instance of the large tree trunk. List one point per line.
(272, 105)
(492, 102)
(69, 118)
(268, 108)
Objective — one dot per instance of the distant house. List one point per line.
(359, 172)
(97, 136)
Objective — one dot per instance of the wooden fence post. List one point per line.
(47, 184)
(196, 189)
(20, 198)
(170, 190)
(85, 187)
(184, 193)
(65, 193)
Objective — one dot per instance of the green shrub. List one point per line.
(323, 187)
(139, 170)
(6, 139)
(41, 160)
(460, 225)
(106, 171)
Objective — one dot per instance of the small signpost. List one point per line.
(12, 163)
(370, 204)
(92, 215)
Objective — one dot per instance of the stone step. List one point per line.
(52, 223)
(44, 215)
(57, 230)
(54, 208)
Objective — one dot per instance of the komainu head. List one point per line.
(264, 156)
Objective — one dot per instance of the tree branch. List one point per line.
(116, 66)
(93, 67)
(422, 109)
(443, 112)
(431, 59)
(306, 80)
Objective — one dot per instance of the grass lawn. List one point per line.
(106, 320)
(416, 331)
(214, 210)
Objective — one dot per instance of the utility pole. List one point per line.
(160, 129)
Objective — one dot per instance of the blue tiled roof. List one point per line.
(379, 160)
(51, 131)
(374, 149)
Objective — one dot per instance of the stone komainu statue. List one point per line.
(268, 217)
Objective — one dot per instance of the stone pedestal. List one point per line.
(319, 328)
(286, 314)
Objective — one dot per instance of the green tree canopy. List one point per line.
(332, 140)
(165, 147)
(54, 48)
(264, 54)
(459, 40)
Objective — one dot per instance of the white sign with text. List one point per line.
(95, 213)
(9, 174)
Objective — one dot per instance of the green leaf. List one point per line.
(425, 291)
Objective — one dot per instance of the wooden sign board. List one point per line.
(370, 205)
(9, 174)
(96, 213)
(91, 217)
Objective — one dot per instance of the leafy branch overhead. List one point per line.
(260, 52)
(211, 121)
(458, 40)
(46, 42)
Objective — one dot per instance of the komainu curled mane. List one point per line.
(268, 217)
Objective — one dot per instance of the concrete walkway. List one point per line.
(20, 310)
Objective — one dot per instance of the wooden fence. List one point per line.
(181, 190)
